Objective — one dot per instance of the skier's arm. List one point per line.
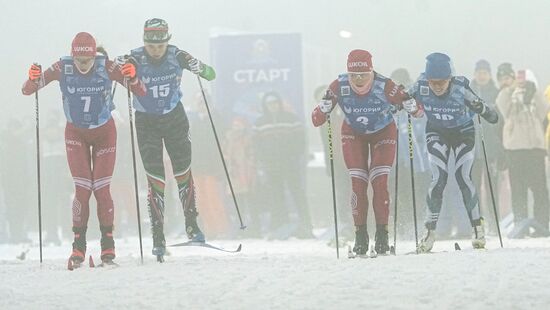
(319, 117)
(477, 105)
(396, 94)
(51, 74)
(121, 73)
(398, 97)
(411, 104)
(420, 108)
(481, 108)
(194, 65)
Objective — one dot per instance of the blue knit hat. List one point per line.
(438, 66)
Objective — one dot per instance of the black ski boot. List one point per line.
(159, 243)
(381, 245)
(79, 246)
(361, 240)
(107, 244)
(192, 229)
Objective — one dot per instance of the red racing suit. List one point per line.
(91, 152)
(368, 132)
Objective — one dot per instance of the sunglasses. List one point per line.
(360, 75)
(156, 36)
(83, 61)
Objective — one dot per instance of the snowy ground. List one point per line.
(283, 275)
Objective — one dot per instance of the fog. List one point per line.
(399, 34)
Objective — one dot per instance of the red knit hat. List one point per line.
(83, 45)
(359, 61)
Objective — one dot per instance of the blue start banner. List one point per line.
(248, 66)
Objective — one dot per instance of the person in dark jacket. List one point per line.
(280, 149)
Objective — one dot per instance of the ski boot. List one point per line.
(478, 235)
(381, 245)
(159, 244)
(361, 240)
(427, 243)
(107, 245)
(192, 229)
(79, 248)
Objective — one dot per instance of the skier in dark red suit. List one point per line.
(86, 80)
(368, 100)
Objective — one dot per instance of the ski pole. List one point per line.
(489, 179)
(221, 154)
(114, 90)
(396, 189)
(38, 170)
(331, 159)
(131, 118)
(409, 130)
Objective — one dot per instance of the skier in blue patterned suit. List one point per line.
(450, 106)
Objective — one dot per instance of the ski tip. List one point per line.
(239, 248)
(23, 255)
(457, 247)
(91, 262)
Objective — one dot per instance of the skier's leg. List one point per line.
(79, 159)
(104, 156)
(178, 146)
(356, 158)
(151, 149)
(382, 146)
(438, 156)
(464, 150)
(465, 155)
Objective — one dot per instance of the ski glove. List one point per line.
(129, 70)
(410, 106)
(195, 65)
(325, 105)
(35, 72)
(478, 106)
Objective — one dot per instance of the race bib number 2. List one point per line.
(363, 120)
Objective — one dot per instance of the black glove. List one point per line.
(477, 106)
